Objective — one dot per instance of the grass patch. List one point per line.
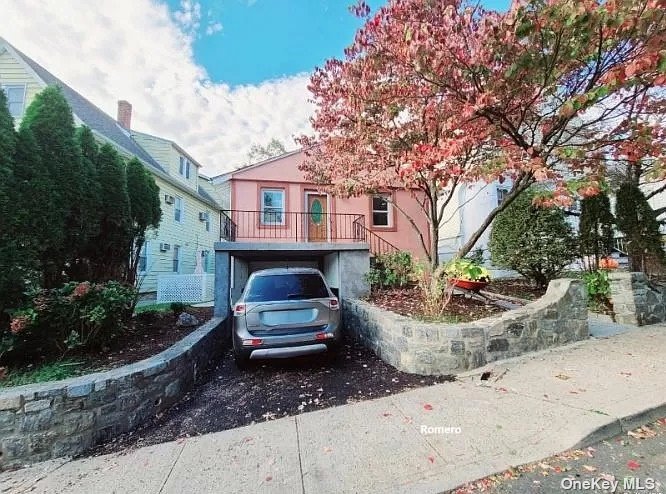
(165, 307)
(52, 371)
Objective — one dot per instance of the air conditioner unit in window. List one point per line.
(203, 216)
(169, 199)
(164, 247)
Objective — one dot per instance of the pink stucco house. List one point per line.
(271, 201)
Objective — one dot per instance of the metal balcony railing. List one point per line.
(289, 226)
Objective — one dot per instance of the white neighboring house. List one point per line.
(658, 201)
(472, 204)
(464, 214)
(183, 244)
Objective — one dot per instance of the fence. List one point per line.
(288, 226)
(184, 288)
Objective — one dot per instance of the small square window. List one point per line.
(381, 211)
(272, 206)
(501, 195)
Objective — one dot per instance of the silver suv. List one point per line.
(285, 312)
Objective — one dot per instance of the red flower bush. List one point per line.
(81, 290)
(18, 324)
(75, 315)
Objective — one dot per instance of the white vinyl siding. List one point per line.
(190, 234)
(13, 74)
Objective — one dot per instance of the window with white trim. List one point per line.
(272, 206)
(206, 261)
(176, 258)
(381, 210)
(207, 222)
(15, 94)
(184, 167)
(502, 192)
(143, 257)
(179, 209)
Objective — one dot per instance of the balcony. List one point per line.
(290, 226)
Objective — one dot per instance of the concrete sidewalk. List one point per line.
(540, 405)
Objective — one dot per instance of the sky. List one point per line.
(216, 76)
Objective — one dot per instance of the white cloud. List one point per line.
(137, 51)
(188, 17)
(213, 27)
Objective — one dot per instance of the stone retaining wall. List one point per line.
(65, 418)
(636, 300)
(557, 318)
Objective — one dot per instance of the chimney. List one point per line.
(124, 114)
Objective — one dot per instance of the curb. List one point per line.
(641, 418)
(622, 425)
(613, 428)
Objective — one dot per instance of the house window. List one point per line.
(272, 206)
(576, 206)
(176, 258)
(381, 210)
(15, 99)
(143, 258)
(501, 195)
(184, 168)
(178, 210)
(206, 261)
(207, 222)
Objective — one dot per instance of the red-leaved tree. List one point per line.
(433, 95)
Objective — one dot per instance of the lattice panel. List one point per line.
(181, 288)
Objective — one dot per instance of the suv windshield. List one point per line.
(296, 286)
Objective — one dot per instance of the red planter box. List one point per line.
(474, 286)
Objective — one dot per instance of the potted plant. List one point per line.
(608, 263)
(467, 274)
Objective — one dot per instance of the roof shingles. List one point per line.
(101, 122)
(92, 116)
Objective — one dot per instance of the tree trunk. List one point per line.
(522, 184)
(434, 245)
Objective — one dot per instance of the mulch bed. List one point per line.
(228, 397)
(517, 287)
(408, 301)
(149, 334)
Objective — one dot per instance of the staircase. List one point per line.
(378, 245)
